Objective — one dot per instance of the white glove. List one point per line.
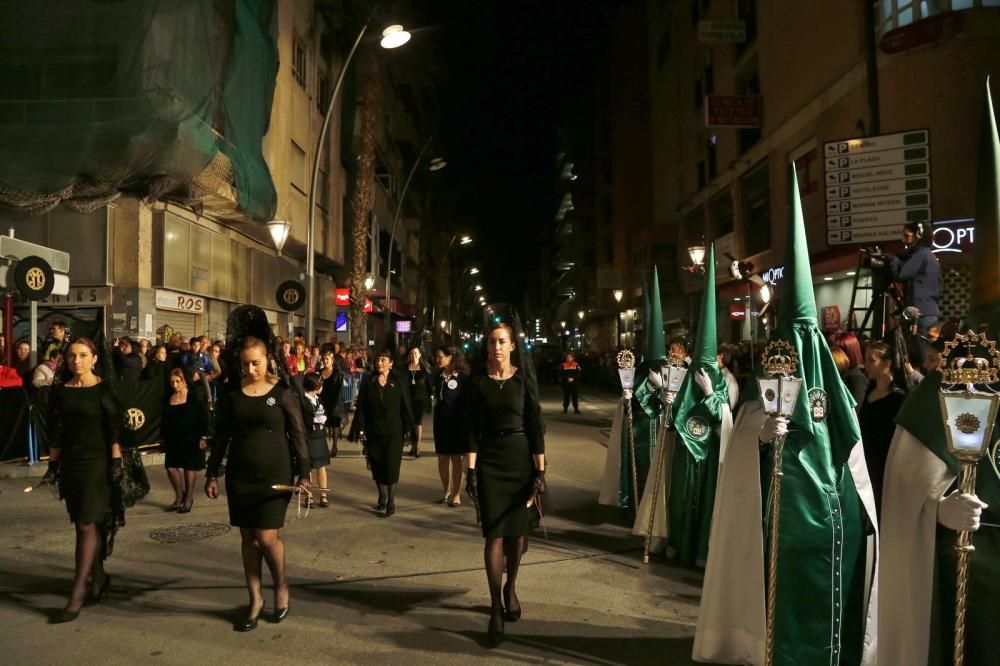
(319, 419)
(960, 512)
(773, 426)
(668, 397)
(704, 382)
(627, 394)
(655, 379)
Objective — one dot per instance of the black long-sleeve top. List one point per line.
(248, 426)
(511, 405)
(382, 411)
(84, 421)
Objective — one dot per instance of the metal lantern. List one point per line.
(779, 391)
(674, 374)
(969, 414)
(626, 372)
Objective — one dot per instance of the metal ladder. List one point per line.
(874, 311)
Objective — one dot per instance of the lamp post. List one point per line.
(392, 37)
(463, 239)
(436, 165)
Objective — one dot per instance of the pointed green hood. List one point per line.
(797, 324)
(645, 320)
(691, 406)
(656, 346)
(985, 307)
(706, 345)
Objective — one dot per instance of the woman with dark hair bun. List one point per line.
(260, 426)
(450, 441)
(506, 471)
(383, 415)
(85, 460)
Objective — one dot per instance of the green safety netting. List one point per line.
(157, 99)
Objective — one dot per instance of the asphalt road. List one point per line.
(409, 589)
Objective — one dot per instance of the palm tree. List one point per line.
(363, 201)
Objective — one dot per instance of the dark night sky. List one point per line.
(509, 68)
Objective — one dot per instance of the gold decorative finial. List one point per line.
(965, 366)
(626, 359)
(780, 358)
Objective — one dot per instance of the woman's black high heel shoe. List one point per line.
(250, 623)
(390, 508)
(62, 616)
(511, 615)
(281, 613)
(494, 632)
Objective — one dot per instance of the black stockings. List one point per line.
(386, 493)
(504, 554)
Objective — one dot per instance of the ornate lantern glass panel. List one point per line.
(779, 388)
(969, 417)
(674, 376)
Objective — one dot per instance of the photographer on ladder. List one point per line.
(920, 273)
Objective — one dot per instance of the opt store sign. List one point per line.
(954, 235)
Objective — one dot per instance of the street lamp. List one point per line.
(392, 37)
(279, 233)
(473, 271)
(369, 282)
(436, 165)
(464, 239)
(581, 314)
(697, 254)
(618, 293)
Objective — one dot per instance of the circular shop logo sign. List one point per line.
(134, 418)
(34, 278)
(291, 295)
(698, 428)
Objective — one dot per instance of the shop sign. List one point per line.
(171, 300)
(404, 326)
(737, 312)
(341, 322)
(732, 111)
(831, 318)
(773, 274)
(342, 297)
(725, 32)
(954, 235)
(369, 308)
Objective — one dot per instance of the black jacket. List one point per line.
(382, 411)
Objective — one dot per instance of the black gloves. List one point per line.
(538, 486)
(117, 471)
(471, 483)
(52, 474)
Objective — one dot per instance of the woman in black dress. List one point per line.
(381, 419)
(185, 437)
(332, 377)
(85, 460)
(877, 415)
(450, 441)
(506, 471)
(418, 381)
(260, 425)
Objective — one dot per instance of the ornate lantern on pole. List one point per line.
(779, 391)
(969, 416)
(626, 373)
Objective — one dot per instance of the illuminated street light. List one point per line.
(581, 314)
(279, 233)
(618, 293)
(465, 240)
(369, 282)
(474, 271)
(394, 36)
(478, 287)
